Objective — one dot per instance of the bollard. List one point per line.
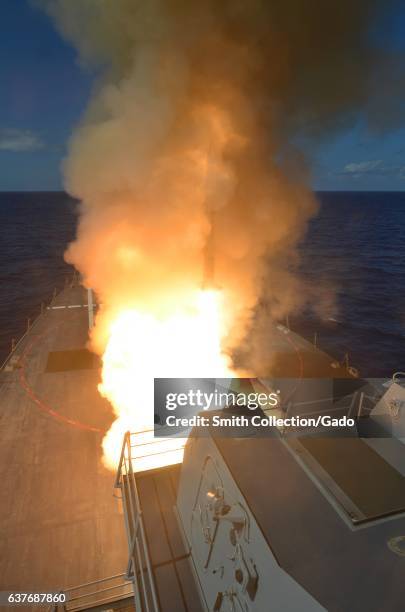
(28, 324)
(12, 345)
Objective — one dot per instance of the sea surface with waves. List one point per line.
(355, 246)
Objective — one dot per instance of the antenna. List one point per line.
(208, 281)
(209, 256)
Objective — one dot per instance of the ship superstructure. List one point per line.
(290, 522)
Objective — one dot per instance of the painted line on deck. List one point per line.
(69, 306)
(42, 405)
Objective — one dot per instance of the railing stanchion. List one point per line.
(139, 563)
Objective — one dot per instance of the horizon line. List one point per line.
(313, 190)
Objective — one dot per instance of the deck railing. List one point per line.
(94, 594)
(32, 322)
(139, 568)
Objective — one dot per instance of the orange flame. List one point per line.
(141, 347)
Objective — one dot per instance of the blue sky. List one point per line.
(43, 93)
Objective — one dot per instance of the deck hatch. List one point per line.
(78, 359)
(362, 481)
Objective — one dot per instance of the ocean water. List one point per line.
(355, 247)
(34, 231)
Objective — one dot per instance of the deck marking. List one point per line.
(43, 406)
(69, 306)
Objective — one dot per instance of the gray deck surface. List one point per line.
(60, 524)
(292, 356)
(170, 560)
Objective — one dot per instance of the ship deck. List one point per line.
(61, 525)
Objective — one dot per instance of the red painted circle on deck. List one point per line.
(39, 402)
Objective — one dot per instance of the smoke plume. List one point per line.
(190, 142)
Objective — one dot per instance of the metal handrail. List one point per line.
(97, 592)
(31, 325)
(86, 584)
(78, 601)
(144, 584)
(18, 343)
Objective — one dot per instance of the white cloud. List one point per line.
(18, 141)
(364, 167)
(375, 167)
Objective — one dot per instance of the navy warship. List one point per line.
(296, 521)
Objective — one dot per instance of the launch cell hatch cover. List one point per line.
(78, 359)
